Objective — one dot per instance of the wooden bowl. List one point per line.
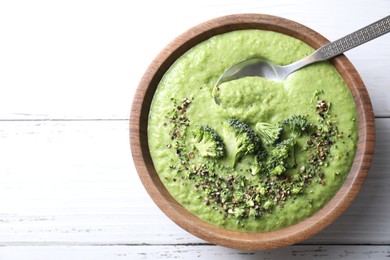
(234, 239)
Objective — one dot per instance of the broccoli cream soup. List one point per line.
(269, 154)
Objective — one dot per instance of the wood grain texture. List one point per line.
(248, 240)
(104, 252)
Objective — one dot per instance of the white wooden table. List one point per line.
(68, 72)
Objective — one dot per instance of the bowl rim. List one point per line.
(236, 239)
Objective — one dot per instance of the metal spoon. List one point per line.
(264, 68)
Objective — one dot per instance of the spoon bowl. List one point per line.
(254, 67)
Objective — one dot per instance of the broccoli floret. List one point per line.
(281, 157)
(296, 125)
(240, 140)
(268, 133)
(255, 166)
(258, 164)
(208, 142)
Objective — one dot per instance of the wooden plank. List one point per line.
(191, 252)
(73, 182)
(90, 65)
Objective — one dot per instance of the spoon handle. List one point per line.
(354, 39)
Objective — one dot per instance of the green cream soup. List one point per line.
(303, 134)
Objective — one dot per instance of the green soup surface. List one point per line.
(255, 193)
